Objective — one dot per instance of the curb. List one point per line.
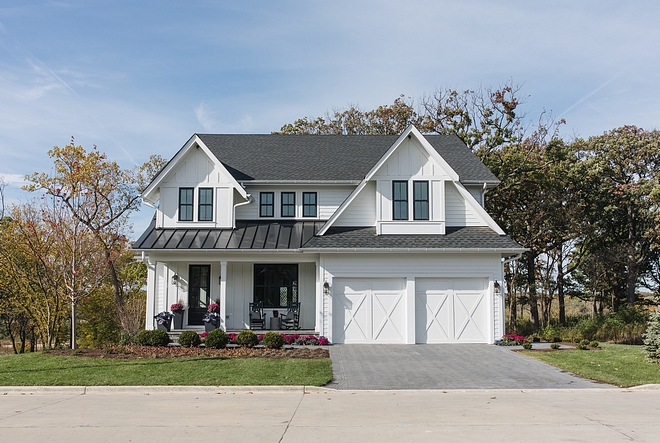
(146, 390)
(650, 387)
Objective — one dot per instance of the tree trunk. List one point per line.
(631, 281)
(531, 287)
(73, 325)
(560, 286)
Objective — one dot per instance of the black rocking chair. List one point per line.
(291, 318)
(257, 317)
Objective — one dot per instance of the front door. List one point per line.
(200, 293)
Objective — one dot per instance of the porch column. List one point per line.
(318, 322)
(151, 295)
(223, 295)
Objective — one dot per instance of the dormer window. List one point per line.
(399, 200)
(185, 204)
(420, 200)
(267, 204)
(205, 209)
(288, 204)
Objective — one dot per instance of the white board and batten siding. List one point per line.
(435, 298)
(196, 171)
(458, 213)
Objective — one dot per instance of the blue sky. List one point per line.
(137, 78)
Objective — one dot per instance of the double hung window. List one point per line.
(420, 200)
(185, 204)
(205, 206)
(309, 204)
(267, 204)
(399, 200)
(288, 204)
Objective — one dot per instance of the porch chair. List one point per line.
(290, 319)
(257, 317)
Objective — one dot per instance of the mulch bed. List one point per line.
(135, 352)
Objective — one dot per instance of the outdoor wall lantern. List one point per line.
(326, 288)
(496, 285)
(219, 279)
(175, 279)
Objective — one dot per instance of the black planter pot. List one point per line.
(178, 319)
(208, 327)
(165, 326)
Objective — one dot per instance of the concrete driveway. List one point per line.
(469, 366)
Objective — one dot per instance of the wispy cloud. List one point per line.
(205, 118)
(12, 179)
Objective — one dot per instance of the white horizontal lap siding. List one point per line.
(457, 213)
(405, 264)
(362, 211)
(328, 200)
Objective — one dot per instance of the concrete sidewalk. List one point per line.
(212, 414)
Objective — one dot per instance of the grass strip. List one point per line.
(620, 365)
(37, 369)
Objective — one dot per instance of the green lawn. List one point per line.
(37, 369)
(620, 365)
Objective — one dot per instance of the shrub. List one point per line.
(323, 341)
(594, 344)
(217, 338)
(527, 345)
(555, 346)
(189, 339)
(652, 338)
(156, 337)
(272, 340)
(247, 338)
(231, 338)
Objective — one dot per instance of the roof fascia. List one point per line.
(194, 140)
(412, 130)
(343, 207)
(475, 206)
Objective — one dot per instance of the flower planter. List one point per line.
(178, 319)
(208, 327)
(163, 326)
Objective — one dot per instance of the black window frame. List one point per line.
(263, 205)
(289, 207)
(187, 206)
(269, 281)
(420, 204)
(397, 202)
(203, 207)
(306, 206)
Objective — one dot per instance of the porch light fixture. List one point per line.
(175, 279)
(496, 285)
(326, 288)
(219, 279)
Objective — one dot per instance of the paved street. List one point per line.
(469, 366)
(162, 415)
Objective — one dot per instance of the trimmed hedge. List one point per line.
(189, 339)
(156, 337)
(272, 340)
(217, 338)
(247, 338)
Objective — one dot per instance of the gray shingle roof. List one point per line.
(455, 238)
(327, 157)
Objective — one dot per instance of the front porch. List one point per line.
(234, 284)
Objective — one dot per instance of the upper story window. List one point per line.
(399, 200)
(288, 204)
(266, 204)
(185, 204)
(309, 204)
(420, 200)
(205, 206)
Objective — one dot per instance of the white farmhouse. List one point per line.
(381, 239)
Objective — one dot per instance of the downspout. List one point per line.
(250, 200)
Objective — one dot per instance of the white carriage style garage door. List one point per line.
(451, 311)
(369, 311)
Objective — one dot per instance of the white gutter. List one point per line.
(249, 200)
(301, 182)
(512, 258)
(148, 203)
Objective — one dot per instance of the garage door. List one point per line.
(368, 311)
(451, 311)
